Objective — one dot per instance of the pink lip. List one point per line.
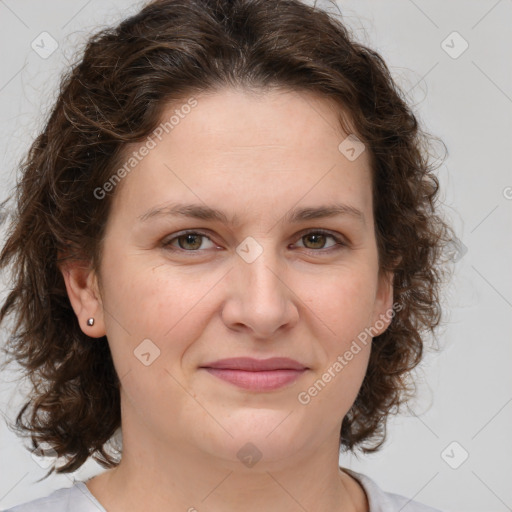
(257, 374)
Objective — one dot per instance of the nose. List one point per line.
(259, 298)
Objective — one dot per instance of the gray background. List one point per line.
(465, 391)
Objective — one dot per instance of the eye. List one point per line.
(190, 241)
(316, 240)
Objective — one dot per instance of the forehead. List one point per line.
(250, 150)
(245, 118)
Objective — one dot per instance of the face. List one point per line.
(257, 280)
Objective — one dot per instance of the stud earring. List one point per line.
(90, 322)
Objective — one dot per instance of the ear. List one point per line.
(84, 295)
(383, 311)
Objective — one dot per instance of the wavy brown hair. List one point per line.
(114, 95)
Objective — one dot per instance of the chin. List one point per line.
(259, 439)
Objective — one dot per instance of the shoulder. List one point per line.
(382, 501)
(76, 498)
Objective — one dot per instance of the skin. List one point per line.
(182, 427)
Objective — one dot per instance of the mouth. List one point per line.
(257, 374)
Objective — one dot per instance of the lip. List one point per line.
(257, 374)
(249, 364)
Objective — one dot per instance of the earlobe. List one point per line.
(84, 295)
(383, 310)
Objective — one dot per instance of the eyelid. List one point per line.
(340, 240)
(166, 242)
(334, 234)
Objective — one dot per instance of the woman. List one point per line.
(227, 250)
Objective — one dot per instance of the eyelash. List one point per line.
(339, 242)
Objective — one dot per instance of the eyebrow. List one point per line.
(203, 212)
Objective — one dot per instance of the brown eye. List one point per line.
(190, 242)
(316, 240)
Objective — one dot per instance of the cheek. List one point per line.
(342, 311)
(342, 308)
(148, 299)
(343, 301)
(328, 397)
(155, 319)
(147, 303)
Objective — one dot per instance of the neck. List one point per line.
(154, 478)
